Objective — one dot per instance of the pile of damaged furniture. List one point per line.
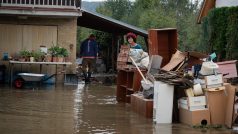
(188, 87)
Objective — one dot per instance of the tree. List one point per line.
(180, 14)
(119, 10)
(155, 19)
(116, 9)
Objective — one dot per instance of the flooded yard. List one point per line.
(78, 109)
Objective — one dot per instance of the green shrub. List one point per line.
(220, 32)
(58, 51)
(25, 53)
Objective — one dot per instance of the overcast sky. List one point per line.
(130, 0)
(99, 0)
(94, 0)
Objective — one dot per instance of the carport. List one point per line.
(103, 23)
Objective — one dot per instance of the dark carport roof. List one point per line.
(103, 23)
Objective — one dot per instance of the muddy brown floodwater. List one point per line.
(78, 109)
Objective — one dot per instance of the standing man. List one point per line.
(88, 51)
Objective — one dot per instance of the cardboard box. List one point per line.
(214, 80)
(230, 91)
(125, 47)
(191, 108)
(122, 57)
(216, 102)
(220, 102)
(189, 92)
(121, 65)
(193, 101)
(194, 117)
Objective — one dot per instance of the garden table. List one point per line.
(56, 64)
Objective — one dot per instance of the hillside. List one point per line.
(91, 6)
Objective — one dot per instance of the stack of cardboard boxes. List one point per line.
(193, 110)
(214, 105)
(123, 57)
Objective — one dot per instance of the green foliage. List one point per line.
(207, 126)
(82, 34)
(205, 36)
(218, 24)
(232, 34)
(38, 55)
(154, 19)
(57, 51)
(180, 14)
(116, 9)
(64, 52)
(149, 14)
(54, 50)
(25, 53)
(220, 32)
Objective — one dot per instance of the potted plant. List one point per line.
(54, 51)
(48, 57)
(24, 55)
(38, 55)
(58, 53)
(63, 53)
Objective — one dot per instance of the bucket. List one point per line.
(146, 85)
(148, 89)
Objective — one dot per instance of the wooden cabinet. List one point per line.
(163, 42)
(142, 106)
(128, 82)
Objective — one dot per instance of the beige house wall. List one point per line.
(66, 31)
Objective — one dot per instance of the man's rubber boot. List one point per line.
(89, 76)
(85, 77)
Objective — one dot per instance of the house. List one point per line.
(209, 4)
(29, 24)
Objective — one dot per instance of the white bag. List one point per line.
(209, 68)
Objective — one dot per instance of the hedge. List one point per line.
(220, 32)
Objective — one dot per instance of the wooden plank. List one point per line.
(10, 39)
(137, 80)
(129, 79)
(142, 106)
(177, 58)
(153, 44)
(35, 36)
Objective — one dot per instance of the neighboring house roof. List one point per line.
(209, 4)
(100, 22)
(206, 6)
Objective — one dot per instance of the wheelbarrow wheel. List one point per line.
(19, 83)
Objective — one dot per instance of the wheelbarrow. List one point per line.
(28, 77)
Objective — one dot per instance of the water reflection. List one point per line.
(81, 109)
(101, 114)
